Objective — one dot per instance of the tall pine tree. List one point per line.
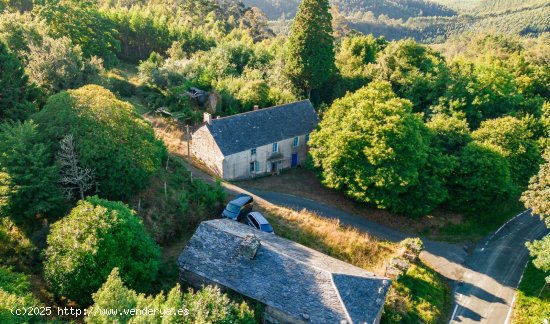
(309, 60)
(15, 92)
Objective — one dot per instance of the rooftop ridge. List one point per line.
(367, 273)
(259, 110)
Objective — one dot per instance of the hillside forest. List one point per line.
(91, 200)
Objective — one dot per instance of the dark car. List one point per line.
(237, 208)
(258, 221)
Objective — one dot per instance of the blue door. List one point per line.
(294, 160)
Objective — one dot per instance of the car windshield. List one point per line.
(233, 208)
(266, 228)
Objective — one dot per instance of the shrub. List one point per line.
(180, 206)
(97, 236)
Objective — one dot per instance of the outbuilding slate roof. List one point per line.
(253, 129)
(285, 275)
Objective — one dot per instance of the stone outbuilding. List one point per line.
(255, 143)
(295, 283)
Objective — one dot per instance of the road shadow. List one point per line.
(478, 293)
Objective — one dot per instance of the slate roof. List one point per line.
(285, 275)
(253, 129)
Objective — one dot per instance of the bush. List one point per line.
(15, 292)
(178, 207)
(110, 138)
(208, 305)
(97, 236)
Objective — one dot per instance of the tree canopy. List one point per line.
(97, 236)
(481, 180)
(16, 92)
(123, 149)
(309, 61)
(208, 305)
(513, 139)
(360, 142)
(28, 179)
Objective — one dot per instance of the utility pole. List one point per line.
(188, 145)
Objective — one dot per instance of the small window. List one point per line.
(254, 166)
(307, 138)
(296, 141)
(275, 147)
(253, 151)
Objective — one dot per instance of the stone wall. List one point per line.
(204, 148)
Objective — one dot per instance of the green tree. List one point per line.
(451, 134)
(514, 141)
(309, 61)
(481, 180)
(16, 93)
(111, 138)
(208, 305)
(81, 22)
(15, 293)
(96, 237)
(540, 251)
(27, 177)
(18, 31)
(415, 71)
(55, 65)
(361, 144)
(537, 196)
(479, 92)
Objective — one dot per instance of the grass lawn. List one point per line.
(441, 225)
(533, 297)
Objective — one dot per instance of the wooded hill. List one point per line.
(429, 21)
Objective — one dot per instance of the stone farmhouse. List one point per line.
(255, 143)
(296, 284)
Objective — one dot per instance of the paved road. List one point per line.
(445, 258)
(494, 272)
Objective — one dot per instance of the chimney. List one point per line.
(207, 118)
(256, 107)
(249, 246)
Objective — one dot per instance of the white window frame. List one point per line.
(254, 167)
(253, 151)
(275, 147)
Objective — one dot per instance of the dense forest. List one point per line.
(428, 21)
(405, 127)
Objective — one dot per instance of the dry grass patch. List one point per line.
(329, 236)
(419, 296)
